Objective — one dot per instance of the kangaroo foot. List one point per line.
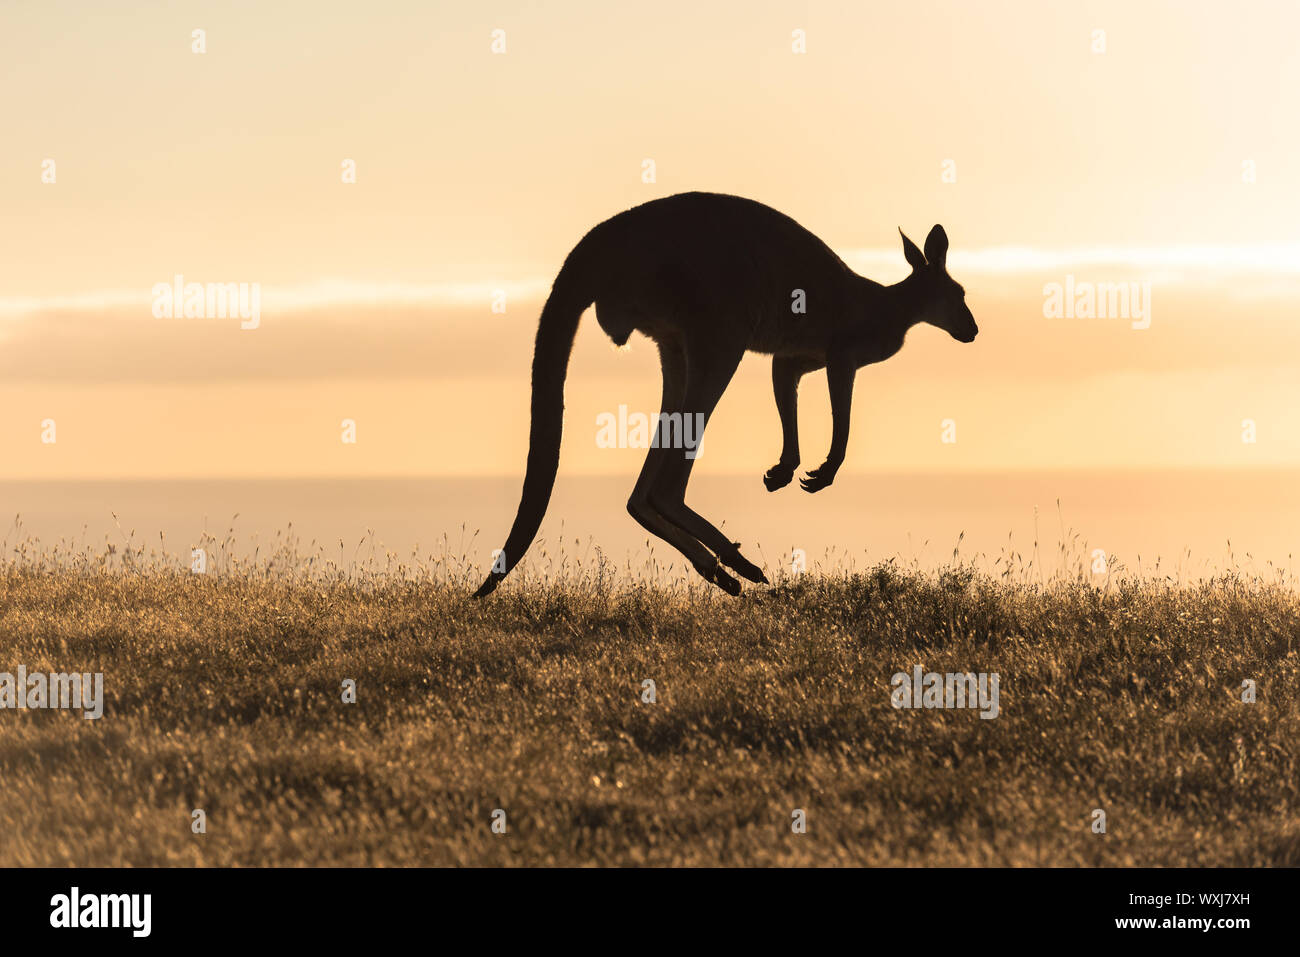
(717, 576)
(778, 476)
(743, 566)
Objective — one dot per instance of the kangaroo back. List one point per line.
(555, 333)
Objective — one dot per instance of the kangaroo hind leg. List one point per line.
(706, 380)
(641, 505)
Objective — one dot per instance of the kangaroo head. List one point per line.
(941, 301)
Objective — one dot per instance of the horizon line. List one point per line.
(962, 471)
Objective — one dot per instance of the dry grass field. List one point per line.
(223, 692)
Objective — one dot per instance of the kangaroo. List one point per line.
(710, 277)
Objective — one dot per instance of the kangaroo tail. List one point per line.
(555, 333)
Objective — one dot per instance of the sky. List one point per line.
(1149, 143)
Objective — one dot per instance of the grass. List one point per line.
(224, 692)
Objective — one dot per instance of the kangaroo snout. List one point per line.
(967, 330)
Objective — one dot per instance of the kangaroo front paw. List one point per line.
(819, 478)
(778, 476)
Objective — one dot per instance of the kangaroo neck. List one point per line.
(892, 309)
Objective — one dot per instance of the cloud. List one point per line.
(1186, 263)
(346, 329)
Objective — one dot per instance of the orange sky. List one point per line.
(478, 171)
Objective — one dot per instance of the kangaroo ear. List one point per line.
(936, 247)
(910, 252)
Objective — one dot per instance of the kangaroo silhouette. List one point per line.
(710, 277)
